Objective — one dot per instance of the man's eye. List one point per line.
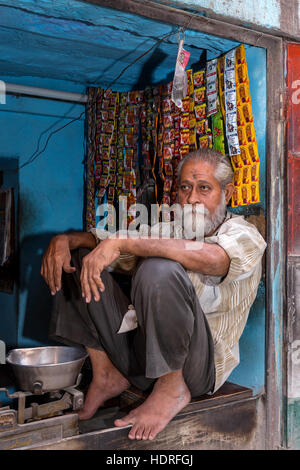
(204, 187)
(184, 187)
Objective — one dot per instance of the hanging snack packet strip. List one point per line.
(109, 152)
(202, 128)
(91, 155)
(121, 142)
(192, 118)
(221, 85)
(249, 159)
(146, 163)
(212, 87)
(132, 115)
(108, 112)
(230, 104)
(113, 148)
(162, 105)
(213, 106)
(176, 157)
(168, 137)
(218, 132)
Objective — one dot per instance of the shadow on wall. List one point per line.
(37, 311)
(146, 75)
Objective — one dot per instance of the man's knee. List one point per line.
(157, 270)
(155, 274)
(163, 297)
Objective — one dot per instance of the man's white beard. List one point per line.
(198, 222)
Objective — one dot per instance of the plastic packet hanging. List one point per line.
(180, 82)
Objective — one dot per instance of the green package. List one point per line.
(218, 133)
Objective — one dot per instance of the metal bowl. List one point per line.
(46, 368)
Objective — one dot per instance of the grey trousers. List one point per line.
(172, 332)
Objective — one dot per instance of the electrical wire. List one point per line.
(36, 154)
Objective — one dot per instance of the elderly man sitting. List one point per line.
(191, 302)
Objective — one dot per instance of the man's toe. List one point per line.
(146, 433)
(123, 421)
(133, 431)
(139, 432)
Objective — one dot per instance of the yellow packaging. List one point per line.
(246, 132)
(185, 105)
(199, 94)
(250, 133)
(220, 69)
(200, 111)
(254, 173)
(189, 74)
(192, 122)
(236, 197)
(242, 136)
(184, 137)
(190, 82)
(237, 177)
(199, 79)
(240, 55)
(242, 74)
(242, 94)
(246, 174)
(240, 117)
(253, 153)
(205, 142)
(254, 192)
(192, 104)
(245, 158)
(236, 161)
(247, 112)
(241, 65)
(246, 164)
(193, 141)
(245, 195)
(184, 149)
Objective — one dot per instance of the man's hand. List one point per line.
(92, 266)
(56, 258)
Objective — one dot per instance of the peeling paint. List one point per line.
(264, 12)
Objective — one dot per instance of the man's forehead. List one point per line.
(197, 170)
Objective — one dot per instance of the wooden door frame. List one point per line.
(275, 377)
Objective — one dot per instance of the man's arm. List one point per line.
(57, 256)
(211, 259)
(206, 258)
(80, 240)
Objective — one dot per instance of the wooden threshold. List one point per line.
(229, 392)
(223, 426)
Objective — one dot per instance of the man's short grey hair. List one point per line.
(223, 168)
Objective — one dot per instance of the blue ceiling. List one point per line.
(90, 45)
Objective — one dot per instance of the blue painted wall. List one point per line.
(50, 199)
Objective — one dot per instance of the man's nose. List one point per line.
(194, 197)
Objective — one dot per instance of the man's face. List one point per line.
(200, 193)
(198, 185)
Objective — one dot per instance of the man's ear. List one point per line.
(228, 192)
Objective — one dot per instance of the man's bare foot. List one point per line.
(107, 383)
(170, 394)
(100, 390)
